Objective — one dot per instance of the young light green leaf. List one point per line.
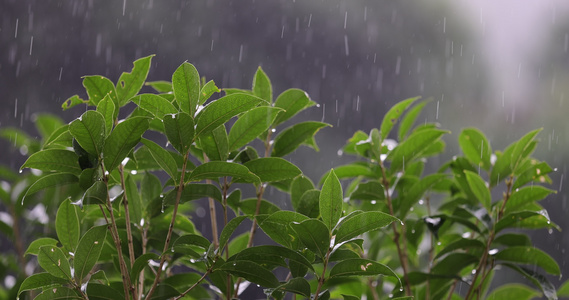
(161, 86)
(163, 158)
(277, 227)
(530, 256)
(53, 260)
(72, 102)
(51, 180)
(292, 101)
(60, 136)
(250, 271)
(250, 125)
(215, 143)
(96, 194)
(46, 124)
(34, 247)
(331, 200)
(271, 169)
(222, 110)
(479, 188)
(520, 150)
(525, 196)
(140, 263)
(186, 86)
(89, 131)
(155, 104)
(314, 235)
(502, 167)
(88, 251)
(129, 84)
(218, 169)
(513, 291)
(67, 225)
(361, 223)
(54, 160)
(228, 230)
(179, 129)
(475, 147)
(409, 119)
(292, 137)
(413, 146)
(392, 116)
(98, 87)
(298, 187)
(107, 108)
(122, 140)
(308, 204)
(537, 279)
(40, 281)
(537, 172)
(361, 267)
(262, 86)
(207, 90)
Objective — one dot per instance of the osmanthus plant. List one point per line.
(122, 201)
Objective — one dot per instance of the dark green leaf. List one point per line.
(525, 196)
(134, 202)
(222, 110)
(217, 169)
(122, 140)
(249, 207)
(46, 124)
(179, 129)
(513, 239)
(309, 204)
(34, 247)
(314, 235)
(351, 297)
(361, 223)
(215, 144)
(271, 169)
(292, 101)
(453, 263)
(251, 124)
(51, 180)
(250, 271)
(53, 260)
(417, 191)
(155, 104)
(88, 251)
(475, 147)
(98, 87)
(393, 115)
(67, 225)
(89, 131)
(62, 293)
(272, 255)
(409, 119)
(351, 170)
(103, 292)
(228, 230)
(513, 291)
(530, 256)
(479, 188)
(96, 194)
(292, 137)
(193, 191)
(298, 187)
(516, 219)
(140, 263)
(277, 227)
(163, 158)
(107, 108)
(371, 190)
(262, 86)
(150, 188)
(460, 244)
(129, 84)
(207, 90)
(360, 267)
(190, 240)
(40, 281)
(186, 86)
(413, 146)
(331, 200)
(297, 285)
(502, 167)
(539, 280)
(54, 160)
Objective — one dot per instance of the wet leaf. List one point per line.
(277, 227)
(34, 247)
(393, 115)
(88, 251)
(250, 271)
(122, 140)
(228, 230)
(186, 86)
(361, 223)
(413, 146)
(475, 147)
(54, 160)
(51, 180)
(218, 169)
(262, 86)
(479, 188)
(89, 131)
(513, 291)
(537, 279)
(292, 101)
(67, 225)
(360, 267)
(179, 129)
(215, 144)
(155, 104)
(292, 137)
(409, 119)
(40, 281)
(129, 84)
(107, 108)
(163, 158)
(526, 195)
(98, 87)
(251, 124)
(54, 261)
(207, 90)
(298, 187)
(270, 169)
(314, 235)
(299, 286)
(331, 200)
(530, 256)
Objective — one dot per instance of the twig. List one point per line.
(322, 278)
(127, 217)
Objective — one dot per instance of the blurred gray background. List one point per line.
(501, 66)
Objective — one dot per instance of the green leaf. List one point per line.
(269, 255)
(475, 147)
(54, 160)
(521, 147)
(309, 204)
(107, 108)
(103, 292)
(460, 244)
(161, 86)
(513, 239)
(537, 172)
(96, 194)
(228, 230)
(51, 180)
(40, 281)
(218, 169)
(539, 280)
(193, 191)
(60, 136)
(98, 87)
(250, 271)
(526, 195)
(513, 291)
(155, 104)
(502, 167)
(530, 256)
(251, 124)
(371, 190)
(292, 101)
(73, 101)
(62, 293)
(563, 289)
(222, 110)
(46, 124)
(349, 171)
(249, 207)
(417, 191)
(277, 227)
(179, 129)
(129, 84)
(453, 263)
(361, 223)
(207, 90)
(34, 247)
(186, 86)
(67, 225)
(134, 202)
(392, 116)
(140, 263)
(479, 188)
(331, 200)
(360, 267)
(270, 169)
(89, 131)
(53, 260)
(262, 86)
(163, 158)
(215, 144)
(122, 140)
(297, 285)
(351, 297)
(88, 251)
(409, 119)
(314, 235)
(298, 187)
(292, 137)
(413, 146)
(516, 219)
(150, 188)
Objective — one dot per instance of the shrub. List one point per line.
(378, 227)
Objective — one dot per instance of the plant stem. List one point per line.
(322, 278)
(224, 188)
(194, 285)
(141, 276)
(171, 228)
(127, 217)
(18, 239)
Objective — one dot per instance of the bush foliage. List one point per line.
(379, 227)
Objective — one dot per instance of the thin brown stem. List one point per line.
(127, 217)
(18, 239)
(141, 276)
(194, 285)
(322, 278)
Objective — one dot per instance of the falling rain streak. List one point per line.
(16, 30)
(346, 45)
(31, 44)
(240, 52)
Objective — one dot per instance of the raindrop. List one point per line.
(16, 108)
(550, 231)
(438, 243)
(323, 74)
(340, 152)
(133, 172)
(240, 52)
(282, 32)
(444, 25)
(20, 171)
(60, 72)
(437, 114)
(421, 202)
(398, 65)
(18, 20)
(123, 7)
(273, 130)
(346, 45)
(365, 13)
(373, 202)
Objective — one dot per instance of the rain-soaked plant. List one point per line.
(123, 228)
